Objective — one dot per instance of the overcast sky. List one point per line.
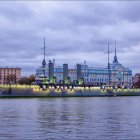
(75, 32)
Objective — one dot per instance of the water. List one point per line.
(70, 118)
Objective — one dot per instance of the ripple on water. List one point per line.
(70, 118)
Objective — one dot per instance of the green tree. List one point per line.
(27, 80)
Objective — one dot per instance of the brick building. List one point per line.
(9, 75)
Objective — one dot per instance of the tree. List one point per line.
(24, 81)
(27, 80)
(31, 78)
(137, 84)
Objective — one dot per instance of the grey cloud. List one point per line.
(129, 11)
(74, 31)
(15, 11)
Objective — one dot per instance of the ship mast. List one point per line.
(108, 65)
(44, 49)
(44, 61)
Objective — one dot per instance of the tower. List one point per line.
(65, 72)
(51, 71)
(115, 57)
(79, 72)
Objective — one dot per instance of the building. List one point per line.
(9, 75)
(51, 71)
(113, 75)
(65, 74)
(79, 72)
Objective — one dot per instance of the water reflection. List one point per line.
(70, 118)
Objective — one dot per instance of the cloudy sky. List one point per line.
(74, 31)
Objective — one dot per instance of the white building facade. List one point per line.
(119, 75)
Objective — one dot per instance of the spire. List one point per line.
(115, 57)
(44, 61)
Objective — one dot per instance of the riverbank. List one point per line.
(23, 91)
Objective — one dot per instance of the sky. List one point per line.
(75, 31)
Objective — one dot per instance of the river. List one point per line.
(79, 118)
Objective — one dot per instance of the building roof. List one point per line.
(10, 68)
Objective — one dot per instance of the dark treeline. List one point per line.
(27, 80)
(137, 84)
